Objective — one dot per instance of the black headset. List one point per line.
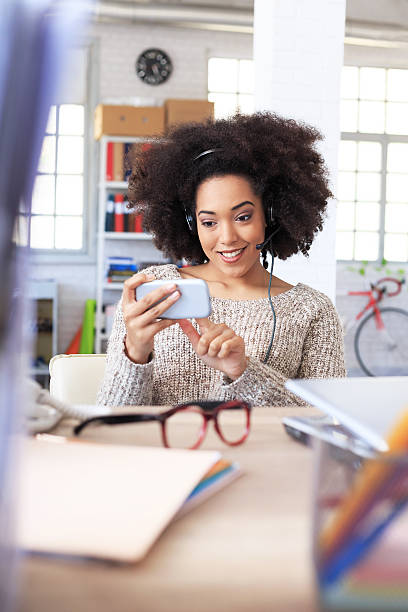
(191, 223)
(190, 220)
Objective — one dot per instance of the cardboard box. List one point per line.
(128, 120)
(182, 111)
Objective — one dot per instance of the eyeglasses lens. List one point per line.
(184, 428)
(232, 424)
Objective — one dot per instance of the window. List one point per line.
(59, 202)
(58, 195)
(231, 86)
(372, 208)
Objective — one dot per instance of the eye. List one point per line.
(208, 223)
(244, 217)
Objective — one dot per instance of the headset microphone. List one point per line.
(262, 244)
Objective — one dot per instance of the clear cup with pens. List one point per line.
(361, 525)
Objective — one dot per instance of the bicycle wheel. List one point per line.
(383, 352)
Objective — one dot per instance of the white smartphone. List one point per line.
(193, 303)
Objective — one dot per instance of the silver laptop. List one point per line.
(366, 407)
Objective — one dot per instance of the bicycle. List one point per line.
(381, 339)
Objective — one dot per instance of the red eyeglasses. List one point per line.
(185, 426)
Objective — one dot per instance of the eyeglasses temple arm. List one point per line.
(116, 419)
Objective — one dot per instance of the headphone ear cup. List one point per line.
(271, 218)
(189, 220)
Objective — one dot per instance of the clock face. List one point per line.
(153, 66)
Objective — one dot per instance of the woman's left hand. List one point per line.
(218, 346)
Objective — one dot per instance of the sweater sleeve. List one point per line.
(125, 383)
(323, 350)
(322, 357)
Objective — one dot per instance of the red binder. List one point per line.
(119, 207)
(138, 223)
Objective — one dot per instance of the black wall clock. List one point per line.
(153, 66)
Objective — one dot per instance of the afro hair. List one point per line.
(277, 155)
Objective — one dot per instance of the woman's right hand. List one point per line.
(141, 321)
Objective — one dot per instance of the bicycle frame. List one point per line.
(375, 295)
(373, 300)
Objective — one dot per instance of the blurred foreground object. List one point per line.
(35, 36)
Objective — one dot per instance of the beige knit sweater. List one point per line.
(308, 343)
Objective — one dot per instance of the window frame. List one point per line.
(87, 254)
(237, 92)
(384, 139)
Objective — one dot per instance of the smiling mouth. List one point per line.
(231, 254)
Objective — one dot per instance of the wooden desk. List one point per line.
(245, 549)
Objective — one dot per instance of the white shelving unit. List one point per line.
(103, 238)
(124, 235)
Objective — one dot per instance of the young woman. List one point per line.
(218, 194)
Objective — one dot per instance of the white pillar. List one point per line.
(298, 53)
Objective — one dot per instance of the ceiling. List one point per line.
(225, 15)
(222, 4)
(375, 20)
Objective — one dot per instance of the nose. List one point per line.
(228, 234)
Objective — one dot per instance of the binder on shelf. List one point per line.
(110, 213)
(109, 161)
(127, 161)
(127, 219)
(118, 161)
(138, 223)
(119, 206)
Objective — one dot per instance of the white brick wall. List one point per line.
(298, 59)
(188, 49)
